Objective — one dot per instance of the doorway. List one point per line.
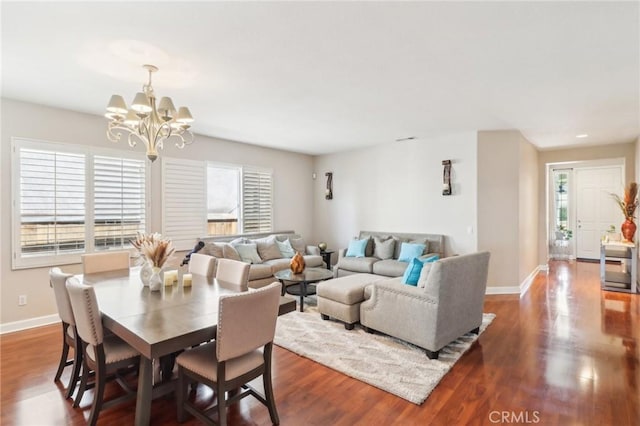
(580, 206)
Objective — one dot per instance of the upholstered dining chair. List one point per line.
(58, 280)
(104, 355)
(233, 272)
(103, 262)
(241, 353)
(202, 264)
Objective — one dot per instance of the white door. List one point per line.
(595, 208)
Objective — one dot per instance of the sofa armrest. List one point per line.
(313, 250)
(341, 253)
(402, 311)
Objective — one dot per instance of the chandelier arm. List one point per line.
(182, 141)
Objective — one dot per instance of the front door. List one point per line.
(596, 210)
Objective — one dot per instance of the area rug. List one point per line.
(387, 363)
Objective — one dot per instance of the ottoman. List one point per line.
(340, 298)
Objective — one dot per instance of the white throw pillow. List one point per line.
(248, 252)
(286, 249)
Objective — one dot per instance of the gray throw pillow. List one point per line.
(213, 249)
(267, 248)
(383, 248)
(424, 274)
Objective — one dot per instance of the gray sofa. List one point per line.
(382, 260)
(446, 304)
(270, 259)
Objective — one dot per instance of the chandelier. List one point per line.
(147, 124)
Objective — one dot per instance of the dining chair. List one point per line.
(241, 353)
(58, 280)
(104, 355)
(107, 261)
(202, 264)
(233, 272)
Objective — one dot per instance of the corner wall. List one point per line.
(507, 208)
(397, 187)
(293, 198)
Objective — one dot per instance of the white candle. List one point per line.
(170, 277)
(186, 280)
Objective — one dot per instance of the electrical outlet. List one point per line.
(22, 300)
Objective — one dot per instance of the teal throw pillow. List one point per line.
(410, 250)
(356, 248)
(286, 249)
(412, 273)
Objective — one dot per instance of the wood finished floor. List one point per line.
(565, 354)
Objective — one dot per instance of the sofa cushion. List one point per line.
(285, 248)
(260, 271)
(358, 264)
(213, 249)
(230, 252)
(248, 252)
(357, 248)
(278, 264)
(267, 248)
(408, 251)
(347, 290)
(312, 260)
(389, 268)
(383, 248)
(298, 245)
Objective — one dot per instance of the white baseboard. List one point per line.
(503, 290)
(544, 268)
(10, 327)
(524, 285)
(522, 288)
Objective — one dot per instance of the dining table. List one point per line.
(160, 323)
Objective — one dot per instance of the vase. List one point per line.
(628, 230)
(155, 281)
(297, 263)
(145, 273)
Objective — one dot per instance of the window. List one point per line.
(561, 189)
(256, 200)
(119, 201)
(223, 199)
(69, 200)
(239, 199)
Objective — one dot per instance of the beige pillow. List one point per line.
(424, 274)
(213, 249)
(383, 247)
(248, 253)
(267, 248)
(298, 245)
(230, 252)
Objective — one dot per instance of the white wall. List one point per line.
(397, 187)
(293, 200)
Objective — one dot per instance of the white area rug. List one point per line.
(381, 361)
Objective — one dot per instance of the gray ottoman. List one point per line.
(340, 298)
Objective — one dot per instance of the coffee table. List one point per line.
(303, 282)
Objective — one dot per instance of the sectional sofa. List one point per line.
(383, 251)
(266, 252)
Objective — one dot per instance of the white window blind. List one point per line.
(257, 202)
(184, 201)
(72, 199)
(51, 203)
(119, 201)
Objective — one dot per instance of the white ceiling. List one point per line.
(320, 77)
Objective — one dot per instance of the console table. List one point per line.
(624, 280)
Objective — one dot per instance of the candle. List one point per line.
(186, 280)
(170, 277)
